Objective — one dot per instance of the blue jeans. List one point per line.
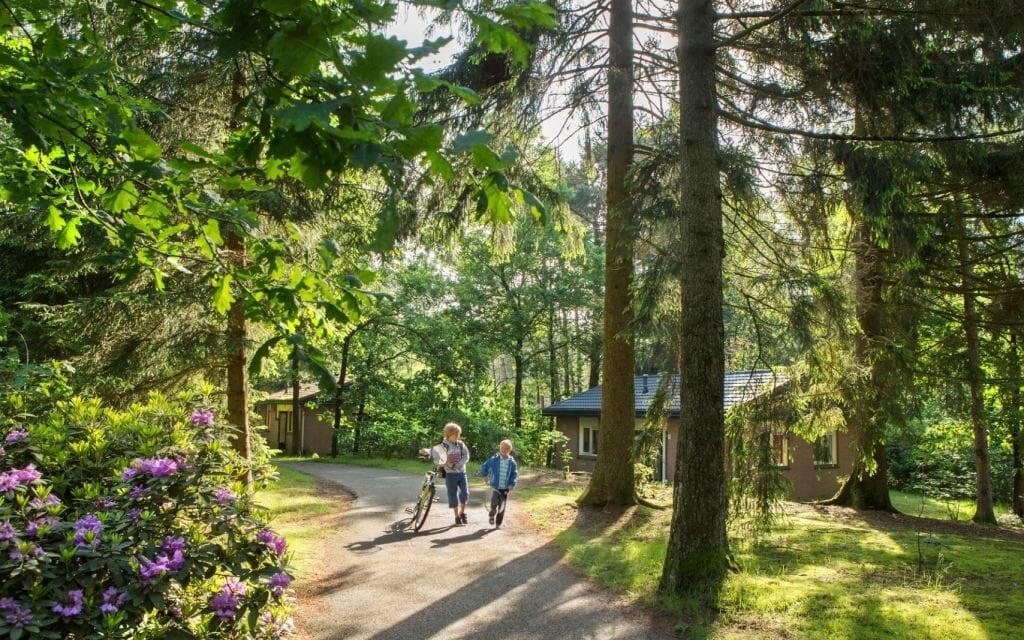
(458, 489)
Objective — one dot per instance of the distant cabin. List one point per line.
(814, 469)
(311, 431)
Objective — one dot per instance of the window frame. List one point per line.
(833, 451)
(586, 441)
(786, 458)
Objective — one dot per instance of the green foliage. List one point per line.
(129, 524)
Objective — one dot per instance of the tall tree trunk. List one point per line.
(360, 415)
(984, 510)
(238, 365)
(296, 402)
(867, 486)
(517, 398)
(612, 480)
(237, 330)
(552, 357)
(697, 557)
(1013, 417)
(339, 395)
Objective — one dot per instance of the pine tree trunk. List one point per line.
(1013, 416)
(238, 331)
(296, 403)
(867, 487)
(698, 548)
(339, 395)
(984, 509)
(517, 399)
(612, 480)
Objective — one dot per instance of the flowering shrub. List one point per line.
(131, 523)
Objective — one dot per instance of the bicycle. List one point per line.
(425, 499)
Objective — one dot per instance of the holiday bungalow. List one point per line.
(814, 469)
(311, 432)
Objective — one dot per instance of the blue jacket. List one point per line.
(491, 468)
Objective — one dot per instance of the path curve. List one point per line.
(377, 581)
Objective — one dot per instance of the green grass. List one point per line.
(815, 576)
(917, 504)
(297, 506)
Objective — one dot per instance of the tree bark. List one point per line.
(237, 329)
(984, 509)
(1013, 411)
(517, 398)
(697, 557)
(296, 402)
(339, 395)
(867, 487)
(612, 480)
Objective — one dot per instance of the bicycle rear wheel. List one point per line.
(423, 507)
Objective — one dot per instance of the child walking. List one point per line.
(455, 471)
(501, 471)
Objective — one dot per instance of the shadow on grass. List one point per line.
(850, 579)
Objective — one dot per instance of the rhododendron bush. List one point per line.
(130, 523)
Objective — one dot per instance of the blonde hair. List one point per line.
(505, 443)
(451, 428)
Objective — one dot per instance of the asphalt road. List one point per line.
(377, 581)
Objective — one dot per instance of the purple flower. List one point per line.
(149, 570)
(134, 515)
(16, 436)
(224, 496)
(104, 503)
(155, 467)
(225, 603)
(45, 524)
(159, 467)
(7, 482)
(279, 582)
(202, 418)
(173, 550)
(72, 607)
(42, 503)
(14, 614)
(7, 531)
(113, 600)
(138, 492)
(87, 531)
(276, 543)
(26, 475)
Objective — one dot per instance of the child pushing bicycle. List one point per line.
(501, 472)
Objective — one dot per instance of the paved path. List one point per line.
(380, 582)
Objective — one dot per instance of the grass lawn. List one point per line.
(823, 573)
(917, 504)
(299, 505)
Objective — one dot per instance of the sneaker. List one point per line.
(465, 520)
(490, 520)
(458, 521)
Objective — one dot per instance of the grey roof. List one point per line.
(307, 391)
(740, 387)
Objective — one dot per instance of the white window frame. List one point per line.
(593, 425)
(834, 451)
(785, 448)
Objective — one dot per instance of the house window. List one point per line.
(779, 444)
(825, 451)
(588, 436)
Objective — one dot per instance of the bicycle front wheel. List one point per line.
(423, 507)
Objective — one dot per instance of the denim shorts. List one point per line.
(458, 489)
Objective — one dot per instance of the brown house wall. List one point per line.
(317, 424)
(807, 481)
